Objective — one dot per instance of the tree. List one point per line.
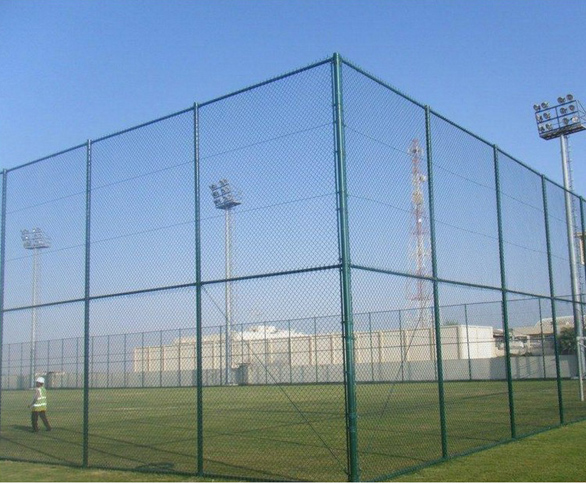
(451, 322)
(567, 341)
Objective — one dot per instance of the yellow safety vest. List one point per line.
(40, 404)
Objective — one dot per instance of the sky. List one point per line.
(73, 71)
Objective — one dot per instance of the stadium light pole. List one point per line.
(559, 121)
(225, 198)
(35, 241)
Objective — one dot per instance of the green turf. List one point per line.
(554, 456)
(282, 433)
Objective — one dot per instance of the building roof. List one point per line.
(544, 326)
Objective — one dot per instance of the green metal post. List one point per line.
(125, 362)
(315, 349)
(468, 342)
(266, 346)
(179, 360)
(401, 346)
(77, 362)
(345, 265)
(2, 265)
(505, 308)
(552, 301)
(434, 272)
(21, 366)
(161, 362)
(290, 350)
(542, 339)
(108, 361)
(371, 347)
(142, 379)
(86, 333)
(198, 287)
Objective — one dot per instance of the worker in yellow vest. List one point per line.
(39, 405)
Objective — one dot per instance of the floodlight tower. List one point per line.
(559, 121)
(35, 241)
(225, 198)
(420, 252)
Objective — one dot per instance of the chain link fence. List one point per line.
(314, 278)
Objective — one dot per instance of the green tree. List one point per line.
(567, 341)
(451, 322)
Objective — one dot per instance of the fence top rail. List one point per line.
(143, 125)
(68, 150)
(382, 83)
(268, 81)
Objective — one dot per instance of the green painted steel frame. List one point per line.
(345, 272)
(504, 294)
(198, 287)
(344, 267)
(2, 266)
(436, 303)
(87, 302)
(552, 299)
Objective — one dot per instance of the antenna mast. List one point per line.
(419, 291)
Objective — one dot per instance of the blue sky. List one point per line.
(76, 70)
(73, 71)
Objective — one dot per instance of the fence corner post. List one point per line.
(345, 270)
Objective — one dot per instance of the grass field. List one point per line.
(281, 433)
(553, 456)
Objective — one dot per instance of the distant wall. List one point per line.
(377, 347)
(526, 367)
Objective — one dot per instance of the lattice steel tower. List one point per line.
(419, 289)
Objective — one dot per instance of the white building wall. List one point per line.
(322, 349)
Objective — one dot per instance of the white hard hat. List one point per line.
(40, 380)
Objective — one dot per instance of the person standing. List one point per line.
(39, 405)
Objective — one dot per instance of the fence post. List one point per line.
(371, 347)
(401, 346)
(143, 363)
(315, 349)
(161, 360)
(290, 355)
(21, 366)
(266, 351)
(108, 361)
(179, 360)
(552, 300)
(77, 362)
(2, 266)
(468, 342)
(436, 306)
(542, 339)
(125, 363)
(48, 357)
(345, 270)
(198, 287)
(86, 330)
(504, 303)
(9, 360)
